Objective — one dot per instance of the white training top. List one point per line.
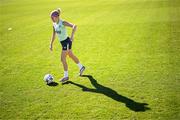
(60, 30)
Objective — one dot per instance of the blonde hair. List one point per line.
(58, 11)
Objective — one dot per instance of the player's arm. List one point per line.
(52, 39)
(73, 26)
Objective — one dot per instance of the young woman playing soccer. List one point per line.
(59, 28)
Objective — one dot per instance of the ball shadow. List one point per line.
(53, 84)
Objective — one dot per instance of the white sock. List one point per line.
(80, 65)
(65, 73)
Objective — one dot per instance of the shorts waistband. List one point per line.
(65, 39)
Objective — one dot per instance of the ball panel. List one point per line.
(48, 78)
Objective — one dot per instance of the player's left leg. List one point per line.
(76, 60)
(73, 57)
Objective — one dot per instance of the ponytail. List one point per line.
(59, 10)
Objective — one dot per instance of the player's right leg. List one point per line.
(65, 66)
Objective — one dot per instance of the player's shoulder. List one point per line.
(63, 21)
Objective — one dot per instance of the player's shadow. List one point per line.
(53, 84)
(131, 104)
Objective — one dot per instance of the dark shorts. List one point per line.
(66, 44)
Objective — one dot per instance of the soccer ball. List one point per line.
(48, 78)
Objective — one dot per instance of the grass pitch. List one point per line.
(130, 49)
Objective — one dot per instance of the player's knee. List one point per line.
(70, 54)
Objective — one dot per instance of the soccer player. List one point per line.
(59, 29)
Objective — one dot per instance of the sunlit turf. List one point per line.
(130, 49)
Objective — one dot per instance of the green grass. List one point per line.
(129, 47)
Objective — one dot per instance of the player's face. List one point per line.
(55, 19)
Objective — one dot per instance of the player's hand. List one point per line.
(71, 39)
(51, 48)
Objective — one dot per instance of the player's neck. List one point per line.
(58, 21)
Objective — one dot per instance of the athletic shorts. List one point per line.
(66, 44)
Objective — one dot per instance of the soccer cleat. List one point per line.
(64, 79)
(81, 70)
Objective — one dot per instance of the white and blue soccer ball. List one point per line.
(48, 78)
